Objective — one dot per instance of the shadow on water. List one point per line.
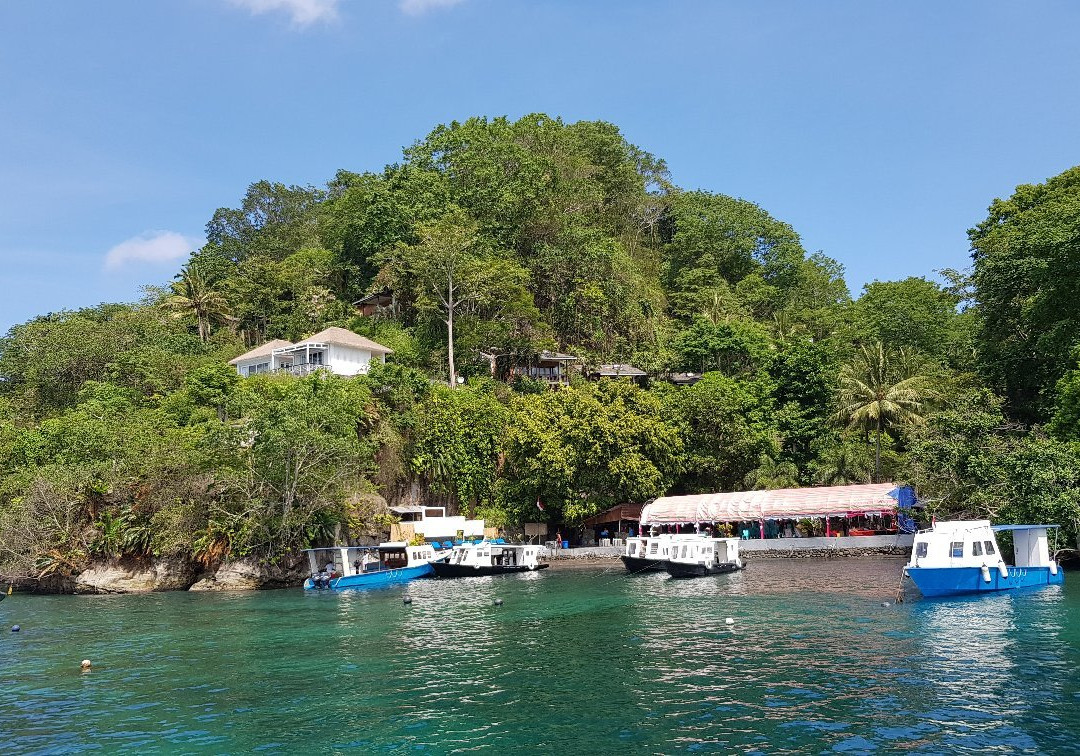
(582, 661)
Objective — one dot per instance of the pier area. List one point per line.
(777, 548)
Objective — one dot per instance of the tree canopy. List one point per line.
(124, 431)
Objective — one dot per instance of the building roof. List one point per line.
(778, 504)
(547, 356)
(617, 371)
(614, 514)
(376, 297)
(683, 379)
(263, 350)
(343, 337)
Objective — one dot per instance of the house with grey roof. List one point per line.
(335, 350)
(617, 372)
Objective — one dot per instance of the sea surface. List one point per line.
(576, 661)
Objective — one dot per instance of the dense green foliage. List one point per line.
(123, 431)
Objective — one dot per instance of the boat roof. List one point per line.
(996, 528)
(388, 545)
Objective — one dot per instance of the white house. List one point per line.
(337, 350)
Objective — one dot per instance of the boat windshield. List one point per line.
(393, 558)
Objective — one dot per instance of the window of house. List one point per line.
(990, 551)
(957, 549)
(976, 548)
(920, 549)
(316, 358)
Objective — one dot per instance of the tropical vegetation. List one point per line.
(125, 433)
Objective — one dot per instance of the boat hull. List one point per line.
(687, 570)
(635, 565)
(447, 570)
(957, 581)
(374, 579)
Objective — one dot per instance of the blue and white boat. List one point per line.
(341, 567)
(962, 556)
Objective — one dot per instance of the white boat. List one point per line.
(648, 553)
(962, 556)
(704, 556)
(340, 567)
(489, 558)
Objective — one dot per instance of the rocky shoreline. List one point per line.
(153, 575)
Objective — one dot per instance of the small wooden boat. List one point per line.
(341, 567)
(703, 556)
(489, 558)
(962, 556)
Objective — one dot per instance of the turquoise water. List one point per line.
(574, 661)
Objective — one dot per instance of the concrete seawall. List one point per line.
(782, 548)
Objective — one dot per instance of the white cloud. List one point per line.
(303, 12)
(419, 7)
(153, 247)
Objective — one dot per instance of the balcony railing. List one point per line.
(301, 368)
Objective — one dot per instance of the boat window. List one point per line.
(920, 549)
(990, 548)
(653, 547)
(632, 550)
(684, 552)
(957, 549)
(976, 548)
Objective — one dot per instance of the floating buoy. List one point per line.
(86, 664)
(729, 621)
(407, 600)
(497, 602)
(15, 628)
(886, 604)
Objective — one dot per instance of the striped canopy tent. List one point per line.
(781, 504)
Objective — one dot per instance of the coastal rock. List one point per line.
(251, 575)
(136, 577)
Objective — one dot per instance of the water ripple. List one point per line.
(575, 661)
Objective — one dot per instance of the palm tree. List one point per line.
(195, 294)
(882, 389)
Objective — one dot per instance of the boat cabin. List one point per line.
(972, 543)
(355, 560)
(487, 554)
(706, 551)
(489, 558)
(658, 547)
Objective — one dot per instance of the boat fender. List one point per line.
(985, 573)
(1053, 567)
(1003, 570)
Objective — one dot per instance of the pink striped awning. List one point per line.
(772, 505)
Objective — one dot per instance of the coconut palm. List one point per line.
(195, 294)
(880, 390)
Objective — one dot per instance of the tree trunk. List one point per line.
(450, 344)
(877, 453)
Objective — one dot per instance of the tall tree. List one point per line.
(882, 390)
(448, 267)
(1027, 263)
(196, 294)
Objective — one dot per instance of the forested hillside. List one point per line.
(123, 430)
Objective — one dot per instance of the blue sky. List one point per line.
(880, 131)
